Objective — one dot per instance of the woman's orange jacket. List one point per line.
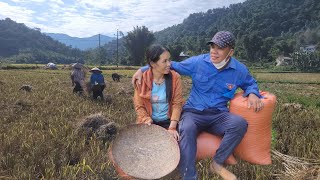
(142, 97)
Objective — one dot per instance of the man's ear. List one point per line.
(231, 52)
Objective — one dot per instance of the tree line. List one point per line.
(264, 29)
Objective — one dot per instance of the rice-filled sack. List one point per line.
(256, 144)
(207, 145)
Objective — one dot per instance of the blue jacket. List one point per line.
(97, 78)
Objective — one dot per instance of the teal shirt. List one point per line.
(158, 101)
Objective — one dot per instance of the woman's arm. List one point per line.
(141, 111)
(177, 99)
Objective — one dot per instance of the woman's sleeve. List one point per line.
(142, 115)
(102, 79)
(177, 99)
(91, 80)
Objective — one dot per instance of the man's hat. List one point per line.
(223, 39)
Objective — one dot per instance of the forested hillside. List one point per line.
(81, 43)
(21, 44)
(264, 28)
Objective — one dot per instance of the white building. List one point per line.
(283, 61)
(308, 48)
(182, 54)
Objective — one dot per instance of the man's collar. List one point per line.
(231, 64)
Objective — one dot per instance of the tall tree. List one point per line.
(136, 43)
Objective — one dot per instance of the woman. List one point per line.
(158, 99)
(97, 83)
(77, 78)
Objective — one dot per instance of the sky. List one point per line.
(85, 18)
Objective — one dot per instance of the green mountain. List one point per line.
(81, 43)
(21, 44)
(264, 28)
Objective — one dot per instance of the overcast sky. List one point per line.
(85, 18)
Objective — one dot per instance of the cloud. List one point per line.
(28, 1)
(57, 2)
(83, 18)
(16, 12)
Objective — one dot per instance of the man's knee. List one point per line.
(187, 124)
(239, 123)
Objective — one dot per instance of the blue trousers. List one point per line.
(225, 124)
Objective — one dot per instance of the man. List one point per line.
(215, 79)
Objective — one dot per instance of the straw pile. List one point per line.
(27, 88)
(297, 168)
(98, 125)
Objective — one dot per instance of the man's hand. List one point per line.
(255, 102)
(137, 76)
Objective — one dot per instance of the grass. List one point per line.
(289, 78)
(38, 138)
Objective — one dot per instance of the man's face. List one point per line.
(218, 54)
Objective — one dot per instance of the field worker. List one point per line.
(215, 78)
(158, 99)
(97, 83)
(77, 78)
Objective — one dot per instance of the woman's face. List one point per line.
(218, 54)
(163, 64)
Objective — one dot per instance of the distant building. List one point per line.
(183, 55)
(308, 48)
(283, 61)
(51, 66)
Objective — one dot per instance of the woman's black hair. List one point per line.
(153, 55)
(168, 81)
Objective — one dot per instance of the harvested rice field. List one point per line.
(40, 139)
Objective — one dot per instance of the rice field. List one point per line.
(39, 139)
(300, 78)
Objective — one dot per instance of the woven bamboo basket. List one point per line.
(144, 152)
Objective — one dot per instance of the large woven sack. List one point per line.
(144, 152)
(207, 145)
(256, 144)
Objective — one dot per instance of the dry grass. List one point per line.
(289, 77)
(38, 138)
(297, 168)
